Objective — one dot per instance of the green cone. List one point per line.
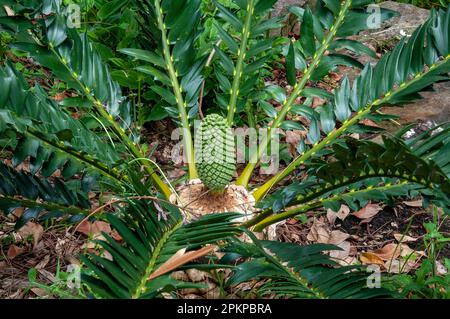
(215, 153)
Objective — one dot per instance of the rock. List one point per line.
(281, 7)
(393, 29)
(434, 107)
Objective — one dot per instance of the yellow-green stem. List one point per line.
(100, 167)
(260, 224)
(261, 191)
(187, 136)
(120, 133)
(298, 88)
(234, 93)
(156, 254)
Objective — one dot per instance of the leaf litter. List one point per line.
(373, 235)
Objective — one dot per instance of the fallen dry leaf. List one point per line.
(18, 212)
(14, 251)
(47, 275)
(196, 275)
(59, 97)
(115, 235)
(341, 255)
(336, 77)
(179, 275)
(369, 122)
(180, 258)
(405, 251)
(84, 227)
(370, 259)
(294, 137)
(368, 211)
(32, 229)
(390, 251)
(319, 232)
(337, 237)
(176, 173)
(107, 255)
(350, 260)
(93, 229)
(317, 101)
(343, 212)
(9, 11)
(414, 203)
(99, 226)
(397, 266)
(404, 238)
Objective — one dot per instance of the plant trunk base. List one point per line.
(197, 201)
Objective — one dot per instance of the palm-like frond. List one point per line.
(243, 53)
(52, 140)
(175, 67)
(72, 58)
(148, 242)
(414, 64)
(42, 199)
(358, 170)
(49, 134)
(293, 271)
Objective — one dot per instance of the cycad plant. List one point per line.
(101, 147)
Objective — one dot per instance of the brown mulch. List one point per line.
(372, 234)
(57, 246)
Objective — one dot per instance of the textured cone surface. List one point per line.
(214, 150)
